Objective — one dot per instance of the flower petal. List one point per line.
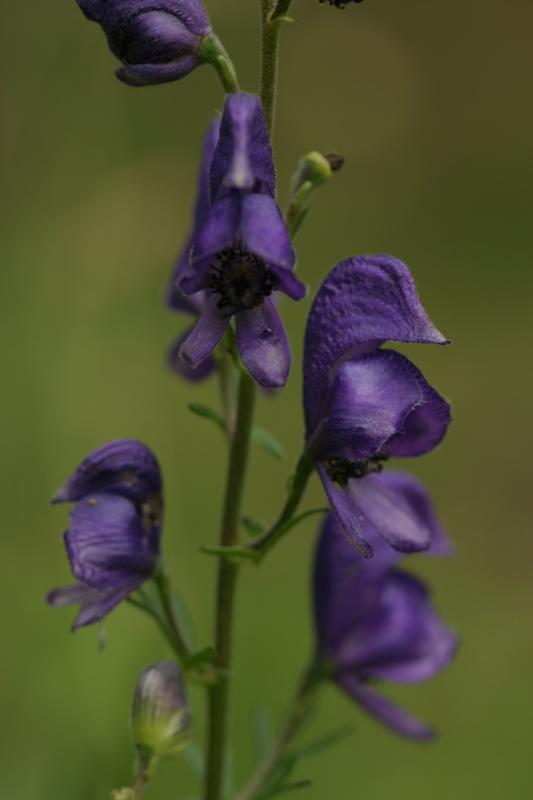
(206, 335)
(390, 514)
(363, 302)
(178, 365)
(382, 709)
(94, 604)
(175, 297)
(137, 75)
(417, 498)
(264, 233)
(401, 638)
(350, 522)
(124, 467)
(219, 232)
(263, 345)
(107, 544)
(243, 158)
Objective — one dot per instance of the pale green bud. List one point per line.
(161, 720)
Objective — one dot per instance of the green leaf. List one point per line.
(205, 656)
(265, 439)
(233, 553)
(208, 413)
(264, 732)
(252, 526)
(288, 787)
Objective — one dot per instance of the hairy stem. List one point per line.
(272, 13)
(226, 585)
(301, 706)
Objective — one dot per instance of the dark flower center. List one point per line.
(242, 280)
(340, 470)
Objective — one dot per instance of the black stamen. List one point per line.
(242, 280)
(340, 470)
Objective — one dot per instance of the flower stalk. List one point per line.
(226, 586)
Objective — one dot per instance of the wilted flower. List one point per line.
(177, 300)
(242, 254)
(157, 42)
(160, 719)
(375, 622)
(364, 404)
(113, 539)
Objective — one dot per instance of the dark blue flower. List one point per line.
(374, 622)
(113, 539)
(242, 254)
(364, 404)
(156, 42)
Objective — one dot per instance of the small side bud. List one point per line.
(314, 168)
(161, 720)
(122, 794)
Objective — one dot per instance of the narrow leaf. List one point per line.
(270, 444)
(252, 526)
(233, 553)
(208, 413)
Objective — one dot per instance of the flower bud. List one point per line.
(156, 45)
(317, 169)
(161, 720)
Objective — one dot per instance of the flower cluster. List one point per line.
(239, 253)
(113, 540)
(365, 404)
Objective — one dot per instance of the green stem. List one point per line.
(302, 473)
(272, 14)
(212, 51)
(226, 585)
(178, 641)
(301, 706)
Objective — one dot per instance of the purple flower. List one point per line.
(375, 622)
(157, 42)
(364, 404)
(177, 300)
(242, 253)
(113, 538)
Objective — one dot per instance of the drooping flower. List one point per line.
(113, 539)
(156, 42)
(364, 404)
(177, 300)
(375, 622)
(242, 254)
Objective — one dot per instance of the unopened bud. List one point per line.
(161, 720)
(122, 794)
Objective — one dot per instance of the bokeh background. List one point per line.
(431, 105)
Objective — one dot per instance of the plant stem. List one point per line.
(302, 473)
(165, 595)
(226, 381)
(301, 706)
(227, 580)
(272, 21)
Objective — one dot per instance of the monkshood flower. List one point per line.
(364, 404)
(156, 42)
(242, 253)
(375, 622)
(114, 532)
(177, 300)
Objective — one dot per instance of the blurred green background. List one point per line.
(431, 105)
